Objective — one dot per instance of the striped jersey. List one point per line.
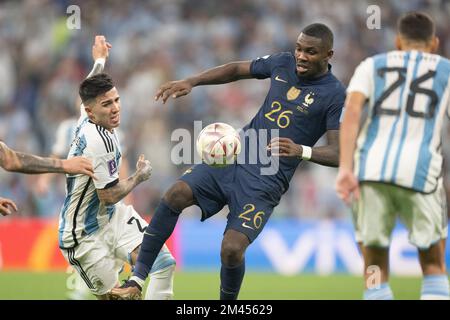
(400, 140)
(82, 213)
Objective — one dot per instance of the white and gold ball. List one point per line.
(218, 144)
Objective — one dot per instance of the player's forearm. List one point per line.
(326, 155)
(229, 72)
(27, 163)
(116, 193)
(99, 66)
(347, 139)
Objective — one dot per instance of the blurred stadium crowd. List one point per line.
(42, 63)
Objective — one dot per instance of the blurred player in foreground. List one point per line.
(15, 161)
(98, 233)
(393, 166)
(304, 102)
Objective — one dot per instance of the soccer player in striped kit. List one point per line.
(392, 167)
(98, 233)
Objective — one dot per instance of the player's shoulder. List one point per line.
(443, 61)
(337, 89)
(98, 139)
(284, 57)
(333, 86)
(279, 58)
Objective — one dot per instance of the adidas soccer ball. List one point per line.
(218, 144)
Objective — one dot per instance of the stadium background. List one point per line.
(307, 249)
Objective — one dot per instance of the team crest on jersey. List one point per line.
(293, 93)
(308, 99)
(112, 167)
(306, 103)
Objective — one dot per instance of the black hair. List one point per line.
(94, 86)
(416, 26)
(321, 31)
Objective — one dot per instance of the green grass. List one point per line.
(204, 286)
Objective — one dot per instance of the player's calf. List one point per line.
(435, 285)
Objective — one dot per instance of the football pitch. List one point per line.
(204, 286)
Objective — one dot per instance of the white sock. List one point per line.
(161, 284)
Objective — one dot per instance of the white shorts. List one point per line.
(424, 215)
(99, 257)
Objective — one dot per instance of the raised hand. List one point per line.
(143, 168)
(6, 205)
(100, 49)
(173, 89)
(78, 165)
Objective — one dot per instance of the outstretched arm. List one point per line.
(325, 155)
(15, 161)
(346, 182)
(229, 72)
(100, 52)
(114, 194)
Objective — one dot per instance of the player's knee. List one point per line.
(232, 253)
(179, 196)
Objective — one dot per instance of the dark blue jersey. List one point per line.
(301, 109)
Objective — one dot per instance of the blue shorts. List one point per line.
(249, 198)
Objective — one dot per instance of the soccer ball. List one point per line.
(218, 144)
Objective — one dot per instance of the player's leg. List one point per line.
(376, 268)
(374, 222)
(435, 284)
(178, 197)
(199, 185)
(95, 264)
(162, 273)
(129, 227)
(426, 221)
(232, 256)
(250, 209)
(78, 289)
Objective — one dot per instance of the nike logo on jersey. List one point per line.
(279, 79)
(244, 224)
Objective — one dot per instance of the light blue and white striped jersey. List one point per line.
(83, 213)
(408, 97)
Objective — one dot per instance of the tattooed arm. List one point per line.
(120, 190)
(15, 161)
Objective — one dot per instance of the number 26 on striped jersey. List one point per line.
(414, 89)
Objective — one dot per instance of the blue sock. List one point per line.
(156, 234)
(384, 292)
(435, 287)
(231, 280)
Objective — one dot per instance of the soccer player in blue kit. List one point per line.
(304, 102)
